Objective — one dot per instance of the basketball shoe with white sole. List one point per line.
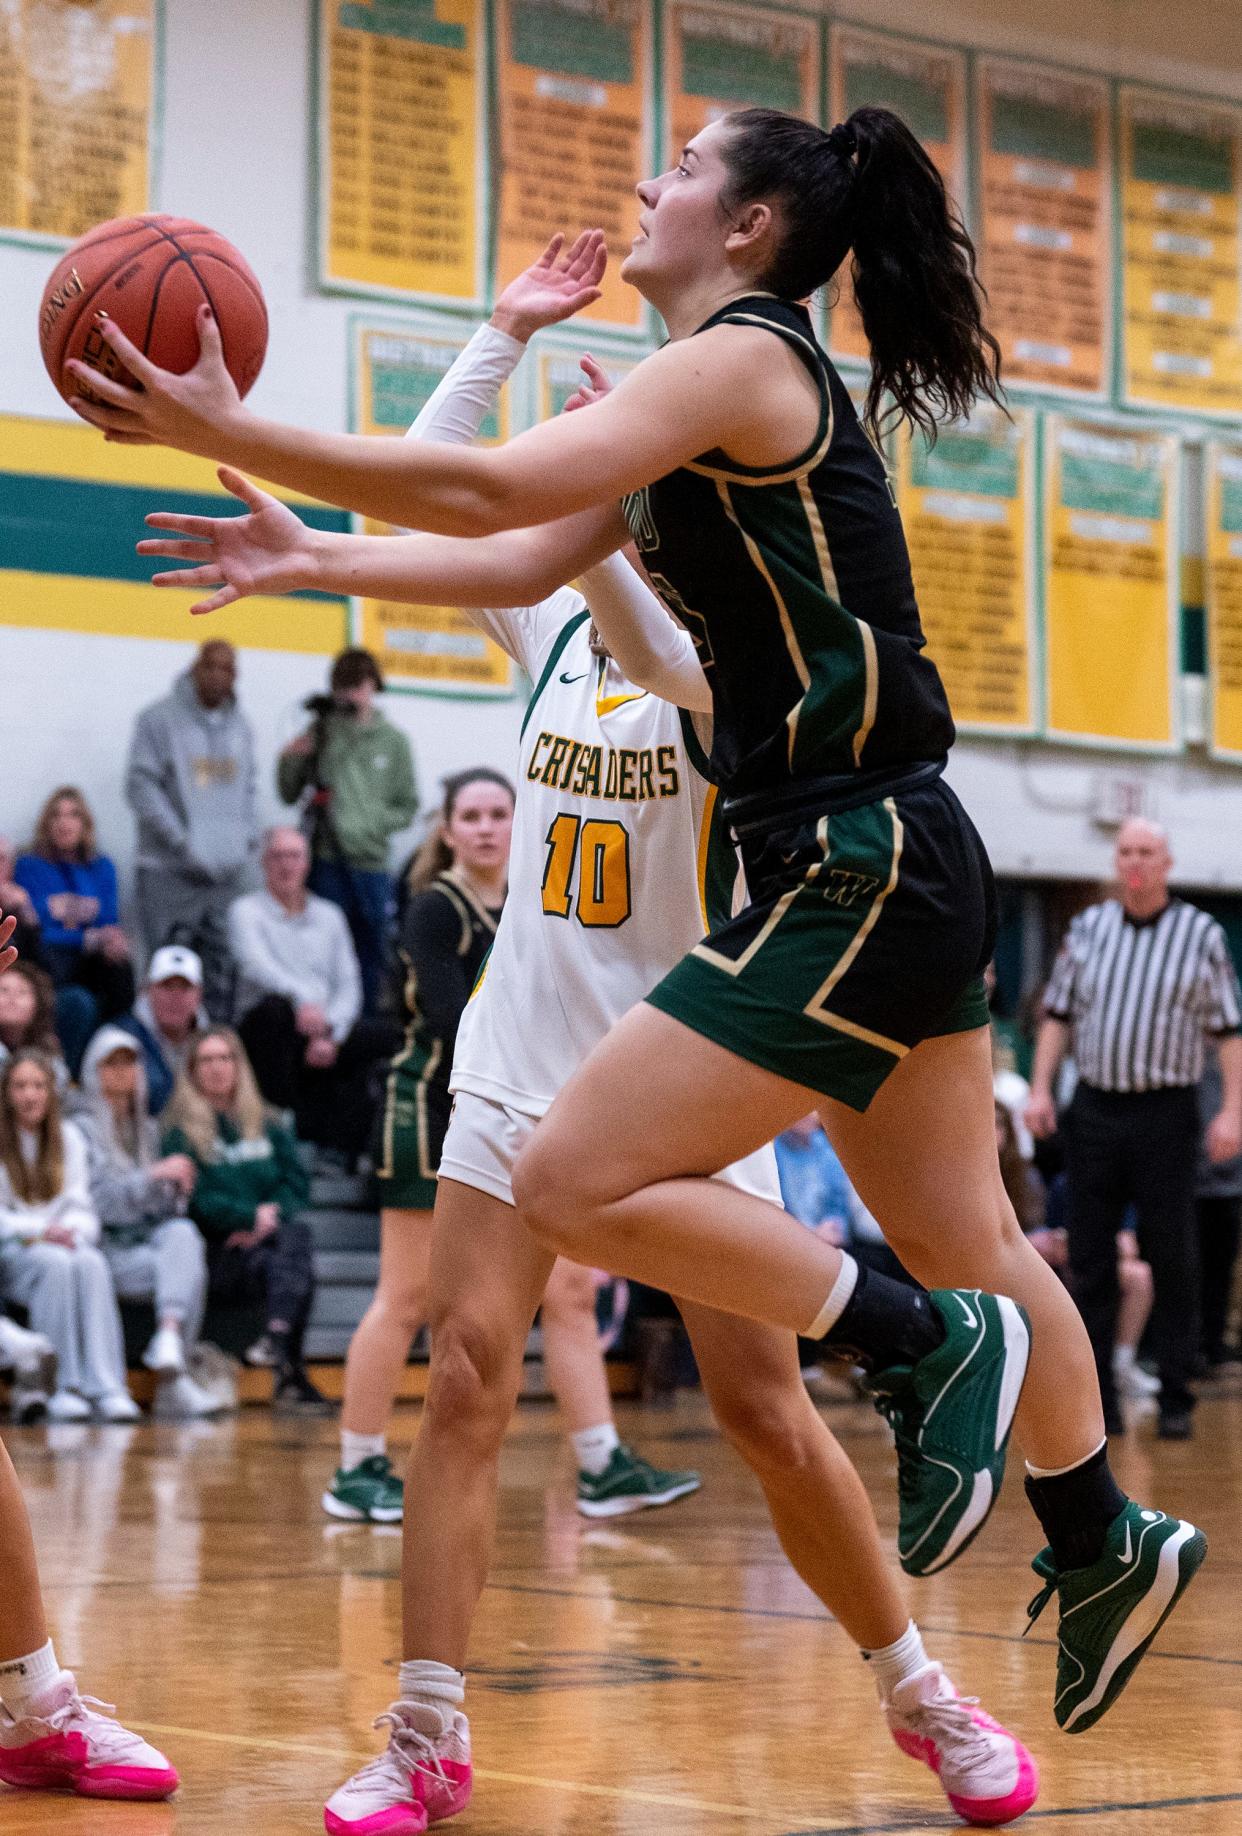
(68, 1742)
(423, 1776)
(951, 1416)
(987, 1774)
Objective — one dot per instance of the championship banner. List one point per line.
(76, 114)
(1182, 211)
(1045, 235)
(1223, 494)
(720, 57)
(423, 649)
(1111, 597)
(71, 510)
(968, 506)
(402, 148)
(573, 84)
(926, 86)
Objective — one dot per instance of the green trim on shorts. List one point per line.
(406, 1177)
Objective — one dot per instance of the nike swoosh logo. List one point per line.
(970, 1318)
(1127, 1554)
(581, 678)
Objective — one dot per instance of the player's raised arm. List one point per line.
(711, 391)
(270, 550)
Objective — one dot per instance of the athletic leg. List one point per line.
(23, 1627)
(612, 1480)
(823, 1517)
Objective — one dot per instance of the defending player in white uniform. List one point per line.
(617, 861)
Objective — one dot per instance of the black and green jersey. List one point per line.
(795, 583)
(445, 934)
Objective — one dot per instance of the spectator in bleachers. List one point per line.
(250, 1188)
(28, 1017)
(359, 772)
(299, 1002)
(1218, 1212)
(167, 1017)
(50, 1262)
(140, 1196)
(15, 902)
(73, 890)
(813, 1183)
(1023, 1185)
(190, 782)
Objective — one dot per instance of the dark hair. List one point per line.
(435, 856)
(354, 667)
(869, 186)
(41, 1033)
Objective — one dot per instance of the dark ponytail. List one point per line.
(869, 186)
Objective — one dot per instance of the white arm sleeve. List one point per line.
(647, 643)
(453, 415)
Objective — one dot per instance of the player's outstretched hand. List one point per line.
(189, 412)
(553, 288)
(8, 952)
(593, 389)
(270, 550)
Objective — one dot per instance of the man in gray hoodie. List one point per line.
(190, 782)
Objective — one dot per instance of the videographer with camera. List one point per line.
(359, 772)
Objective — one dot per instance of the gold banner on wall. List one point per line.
(1111, 521)
(432, 649)
(721, 57)
(1223, 494)
(968, 506)
(76, 102)
(1045, 243)
(401, 147)
(1181, 294)
(926, 86)
(574, 85)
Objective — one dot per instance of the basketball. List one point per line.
(150, 275)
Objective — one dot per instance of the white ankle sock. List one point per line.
(431, 1685)
(355, 1448)
(834, 1306)
(1123, 1357)
(1057, 1472)
(594, 1448)
(905, 1657)
(24, 1678)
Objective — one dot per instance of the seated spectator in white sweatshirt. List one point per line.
(299, 1002)
(154, 1251)
(49, 1232)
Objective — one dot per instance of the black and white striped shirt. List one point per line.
(1141, 993)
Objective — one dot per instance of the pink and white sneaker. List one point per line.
(66, 1742)
(987, 1774)
(423, 1777)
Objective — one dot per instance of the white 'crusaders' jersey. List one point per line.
(618, 859)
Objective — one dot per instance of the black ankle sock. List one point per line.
(1076, 1509)
(885, 1322)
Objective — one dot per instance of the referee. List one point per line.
(1139, 981)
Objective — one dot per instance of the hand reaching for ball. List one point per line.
(269, 550)
(189, 412)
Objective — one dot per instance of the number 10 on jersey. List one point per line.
(600, 850)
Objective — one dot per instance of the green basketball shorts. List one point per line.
(869, 931)
(416, 1118)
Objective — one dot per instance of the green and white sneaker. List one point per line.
(951, 1415)
(629, 1484)
(1111, 1611)
(371, 1493)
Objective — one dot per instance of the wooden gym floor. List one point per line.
(661, 1676)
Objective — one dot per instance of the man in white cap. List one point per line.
(165, 1018)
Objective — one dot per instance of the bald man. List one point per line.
(190, 782)
(1140, 981)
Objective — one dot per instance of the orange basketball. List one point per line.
(151, 275)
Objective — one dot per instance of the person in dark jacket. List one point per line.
(74, 893)
(250, 1188)
(190, 782)
(165, 1018)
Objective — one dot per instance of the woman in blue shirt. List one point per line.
(73, 890)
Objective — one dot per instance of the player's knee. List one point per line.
(549, 1196)
(775, 1430)
(1134, 1276)
(570, 1294)
(468, 1395)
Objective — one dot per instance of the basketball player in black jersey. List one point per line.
(852, 983)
